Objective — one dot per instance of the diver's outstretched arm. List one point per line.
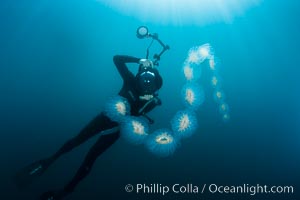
(120, 62)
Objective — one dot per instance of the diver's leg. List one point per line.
(98, 124)
(103, 143)
(29, 173)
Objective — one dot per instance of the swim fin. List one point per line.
(29, 173)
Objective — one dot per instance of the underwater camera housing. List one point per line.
(142, 32)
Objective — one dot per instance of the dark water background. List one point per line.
(56, 72)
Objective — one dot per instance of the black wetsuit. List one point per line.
(102, 123)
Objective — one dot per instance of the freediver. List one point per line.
(140, 91)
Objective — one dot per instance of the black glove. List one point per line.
(157, 101)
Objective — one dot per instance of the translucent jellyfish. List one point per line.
(192, 72)
(192, 95)
(212, 63)
(197, 55)
(134, 129)
(188, 72)
(216, 81)
(226, 117)
(184, 123)
(224, 108)
(162, 143)
(204, 52)
(193, 56)
(219, 95)
(117, 108)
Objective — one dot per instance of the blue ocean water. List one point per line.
(56, 73)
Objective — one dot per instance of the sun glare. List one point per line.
(181, 12)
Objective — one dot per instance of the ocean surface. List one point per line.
(57, 72)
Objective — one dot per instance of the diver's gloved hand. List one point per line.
(53, 195)
(157, 101)
(146, 63)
